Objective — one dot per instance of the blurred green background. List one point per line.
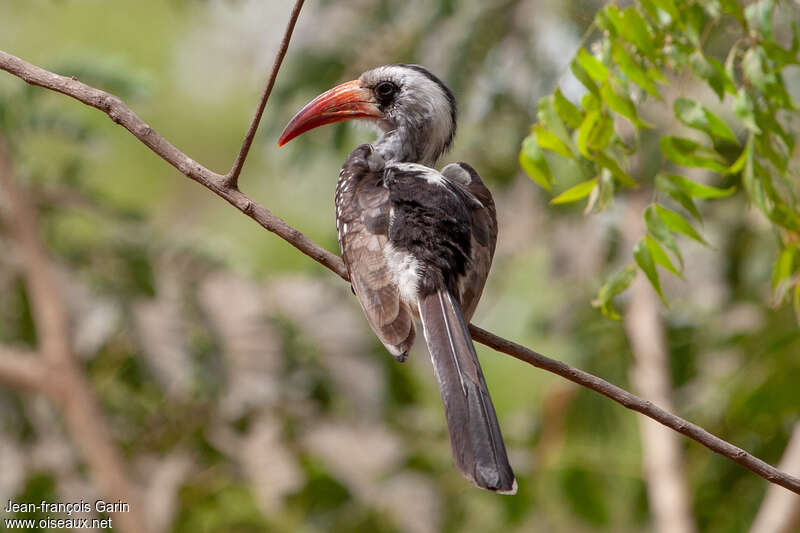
(239, 378)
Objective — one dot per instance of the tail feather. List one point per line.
(478, 448)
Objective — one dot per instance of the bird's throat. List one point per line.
(395, 146)
(405, 145)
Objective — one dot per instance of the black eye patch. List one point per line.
(384, 92)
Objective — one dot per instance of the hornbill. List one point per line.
(418, 242)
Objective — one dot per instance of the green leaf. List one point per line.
(722, 76)
(759, 14)
(650, 9)
(656, 74)
(784, 216)
(677, 193)
(594, 133)
(573, 194)
(605, 193)
(677, 223)
(635, 30)
(645, 261)
(601, 134)
(757, 67)
(732, 7)
(712, 72)
(611, 164)
(697, 190)
(583, 77)
(590, 102)
(689, 153)
(550, 119)
(753, 67)
(532, 161)
(764, 148)
(730, 60)
(589, 122)
(766, 120)
(603, 22)
(694, 20)
(751, 184)
(743, 107)
(660, 231)
(695, 115)
(615, 285)
(632, 70)
(548, 140)
(779, 55)
(592, 66)
(621, 104)
(660, 256)
(737, 165)
(614, 16)
(784, 266)
(668, 7)
(570, 114)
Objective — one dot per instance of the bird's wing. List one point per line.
(483, 235)
(460, 219)
(363, 217)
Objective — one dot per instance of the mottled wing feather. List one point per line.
(363, 215)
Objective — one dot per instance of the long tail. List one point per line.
(478, 449)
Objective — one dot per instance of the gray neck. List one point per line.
(397, 145)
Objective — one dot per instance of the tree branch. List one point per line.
(120, 113)
(21, 370)
(640, 405)
(64, 380)
(233, 176)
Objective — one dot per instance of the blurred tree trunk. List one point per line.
(663, 462)
(780, 511)
(64, 381)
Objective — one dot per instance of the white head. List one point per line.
(412, 109)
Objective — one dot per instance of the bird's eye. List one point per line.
(384, 91)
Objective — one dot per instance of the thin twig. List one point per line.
(121, 114)
(233, 176)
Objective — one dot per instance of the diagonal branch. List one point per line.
(120, 113)
(233, 175)
(640, 405)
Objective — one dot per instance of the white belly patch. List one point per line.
(405, 271)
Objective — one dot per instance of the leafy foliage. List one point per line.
(646, 56)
